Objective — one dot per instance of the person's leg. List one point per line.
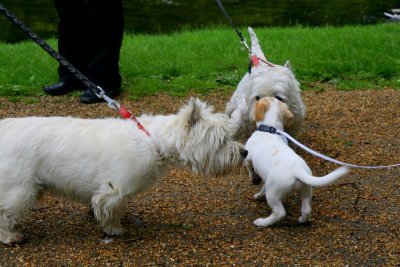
(105, 28)
(72, 44)
(72, 39)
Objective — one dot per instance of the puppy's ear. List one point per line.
(260, 109)
(288, 116)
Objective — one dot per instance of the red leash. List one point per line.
(122, 111)
(126, 114)
(256, 61)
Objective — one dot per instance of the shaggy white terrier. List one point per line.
(279, 167)
(265, 80)
(104, 162)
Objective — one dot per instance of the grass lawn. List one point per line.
(362, 57)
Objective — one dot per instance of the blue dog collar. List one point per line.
(271, 130)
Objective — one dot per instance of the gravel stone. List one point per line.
(190, 220)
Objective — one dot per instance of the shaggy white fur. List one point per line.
(279, 167)
(264, 80)
(104, 162)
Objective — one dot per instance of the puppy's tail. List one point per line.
(320, 181)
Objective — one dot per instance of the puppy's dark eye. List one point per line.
(279, 98)
(257, 98)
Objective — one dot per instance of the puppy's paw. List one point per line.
(259, 197)
(260, 222)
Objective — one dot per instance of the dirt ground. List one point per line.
(190, 220)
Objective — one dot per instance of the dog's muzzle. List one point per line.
(244, 153)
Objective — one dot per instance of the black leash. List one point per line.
(97, 90)
(242, 39)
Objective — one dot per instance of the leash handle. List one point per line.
(89, 84)
(315, 153)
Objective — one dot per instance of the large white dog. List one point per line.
(103, 162)
(282, 170)
(265, 79)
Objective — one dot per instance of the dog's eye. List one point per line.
(279, 98)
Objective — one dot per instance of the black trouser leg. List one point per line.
(105, 27)
(72, 36)
(90, 38)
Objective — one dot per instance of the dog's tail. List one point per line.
(320, 181)
(255, 46)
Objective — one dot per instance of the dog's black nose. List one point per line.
(244, 153)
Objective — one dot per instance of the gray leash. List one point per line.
(315, 153)
(242, 39)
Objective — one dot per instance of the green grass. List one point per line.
(362, 57)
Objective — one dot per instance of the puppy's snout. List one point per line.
(244, 153)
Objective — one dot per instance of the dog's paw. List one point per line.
(304, 219)
(12, 239)
(113, 230)
(260, 222)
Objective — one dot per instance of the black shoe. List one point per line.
(88, 97)
(62, 88)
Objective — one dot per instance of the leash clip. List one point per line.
(100, 92)
(243, 41)
(111, 102)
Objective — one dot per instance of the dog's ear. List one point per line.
(260, 109)
(288, 65)
(195, 107)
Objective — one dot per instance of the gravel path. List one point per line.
(190, 220)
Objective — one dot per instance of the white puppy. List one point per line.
(265, 79)
(282, 170)
(103, 162)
